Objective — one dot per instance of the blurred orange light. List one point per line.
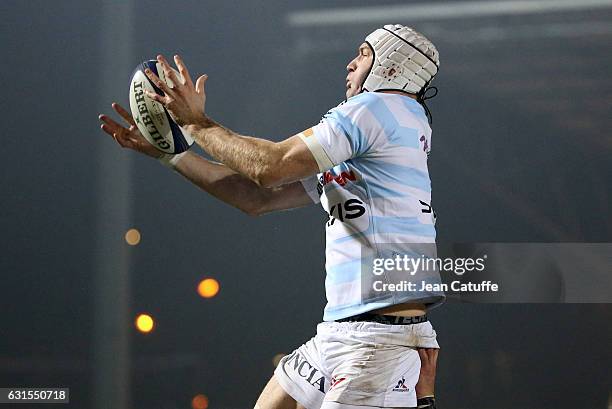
(208, 288)
(132, 237)
(199, 402)
(145, 323)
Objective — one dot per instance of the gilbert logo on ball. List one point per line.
(150, 116)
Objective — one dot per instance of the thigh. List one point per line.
(373, 364)
(380, 376)
(336, 405)
(274, 397)
(301, 375)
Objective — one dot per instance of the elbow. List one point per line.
(267, 177)
(268, 182)
(252, 212)
(253, 208)
(268, 173)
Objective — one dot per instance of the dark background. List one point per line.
(521, 153)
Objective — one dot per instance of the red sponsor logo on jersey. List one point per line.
(335, 382)
(341, 179)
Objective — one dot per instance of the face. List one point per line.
(358, 70)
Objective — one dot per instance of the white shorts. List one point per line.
(357, 364)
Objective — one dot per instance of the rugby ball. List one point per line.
(151, 117)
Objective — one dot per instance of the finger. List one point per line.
(124, 138)
(424, 356)
(169, 71)
(108, 130)
(119, 140)
(433, 357)
(183, 71)
(120, 134)
(116, 134)
(110, 122)
(134, 135)
(156, 97)
(158, 83)
(123, 113)
(201, 83)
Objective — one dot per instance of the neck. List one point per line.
(406, 94)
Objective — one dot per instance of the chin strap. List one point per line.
(422, 97)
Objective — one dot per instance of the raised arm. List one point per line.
(215, 178)
(264, 162)
(239, 191)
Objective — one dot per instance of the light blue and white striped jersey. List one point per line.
(374, 184)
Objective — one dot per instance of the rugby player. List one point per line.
(366, 163)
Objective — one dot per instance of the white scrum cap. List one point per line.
(404, 60)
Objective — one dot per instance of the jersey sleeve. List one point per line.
(310, 185)
(346, 131)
